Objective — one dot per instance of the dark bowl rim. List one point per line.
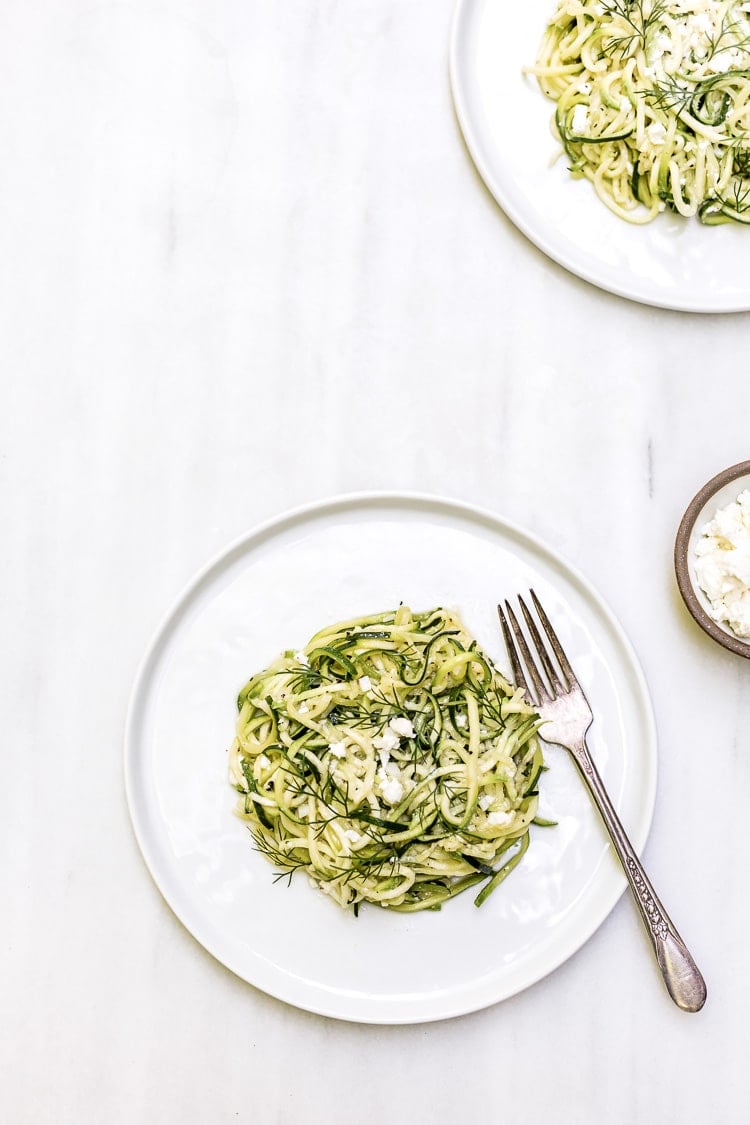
(682, 571)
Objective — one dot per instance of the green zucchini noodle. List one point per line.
(390, 761)
(653, 103)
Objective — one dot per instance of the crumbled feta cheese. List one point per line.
(580, 120)
(500, 818)
(263, 762)
(303, 709)
(700, 23)
(402, 727)
(656, 133)
(388, 740)
(390, 787)
(485, 801)
(352, 836)
(338, 749)
(365, 683)
(722, 61)
(461, 721)
(722, 564)
(662, 43)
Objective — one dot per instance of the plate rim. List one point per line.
(461, 15)
(326, 1004)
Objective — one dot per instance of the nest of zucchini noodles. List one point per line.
(390, 761)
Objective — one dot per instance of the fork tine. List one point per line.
(519, 675)
(555, 642)
(539, 687)
(542, 651)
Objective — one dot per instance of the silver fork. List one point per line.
(558, 698)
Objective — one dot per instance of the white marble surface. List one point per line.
(234, 236)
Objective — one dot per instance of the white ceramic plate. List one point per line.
(273, 590)
(505, 119)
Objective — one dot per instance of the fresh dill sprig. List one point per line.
(741, 162)
(738, 199)
(671, 95)
(639, 22)
(731, 36)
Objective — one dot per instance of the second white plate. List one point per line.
(505, 119)
(272, 591)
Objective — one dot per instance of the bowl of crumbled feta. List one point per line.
(712, 558)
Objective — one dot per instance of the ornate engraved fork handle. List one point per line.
(680, 972)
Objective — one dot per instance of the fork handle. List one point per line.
(681, 975)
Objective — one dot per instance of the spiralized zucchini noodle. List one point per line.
(390, 761)
(653, 103)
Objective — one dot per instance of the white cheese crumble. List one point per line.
(388, 740)
(656, 133)
(402, 727)
(263, 762)
(580, 119)
(338, 749)
(500, 818)
(365, 683)
(722, 564)
(390, 787)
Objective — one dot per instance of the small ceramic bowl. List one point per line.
(720, 491)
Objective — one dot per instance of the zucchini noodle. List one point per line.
(390, 761)
(653, 103)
